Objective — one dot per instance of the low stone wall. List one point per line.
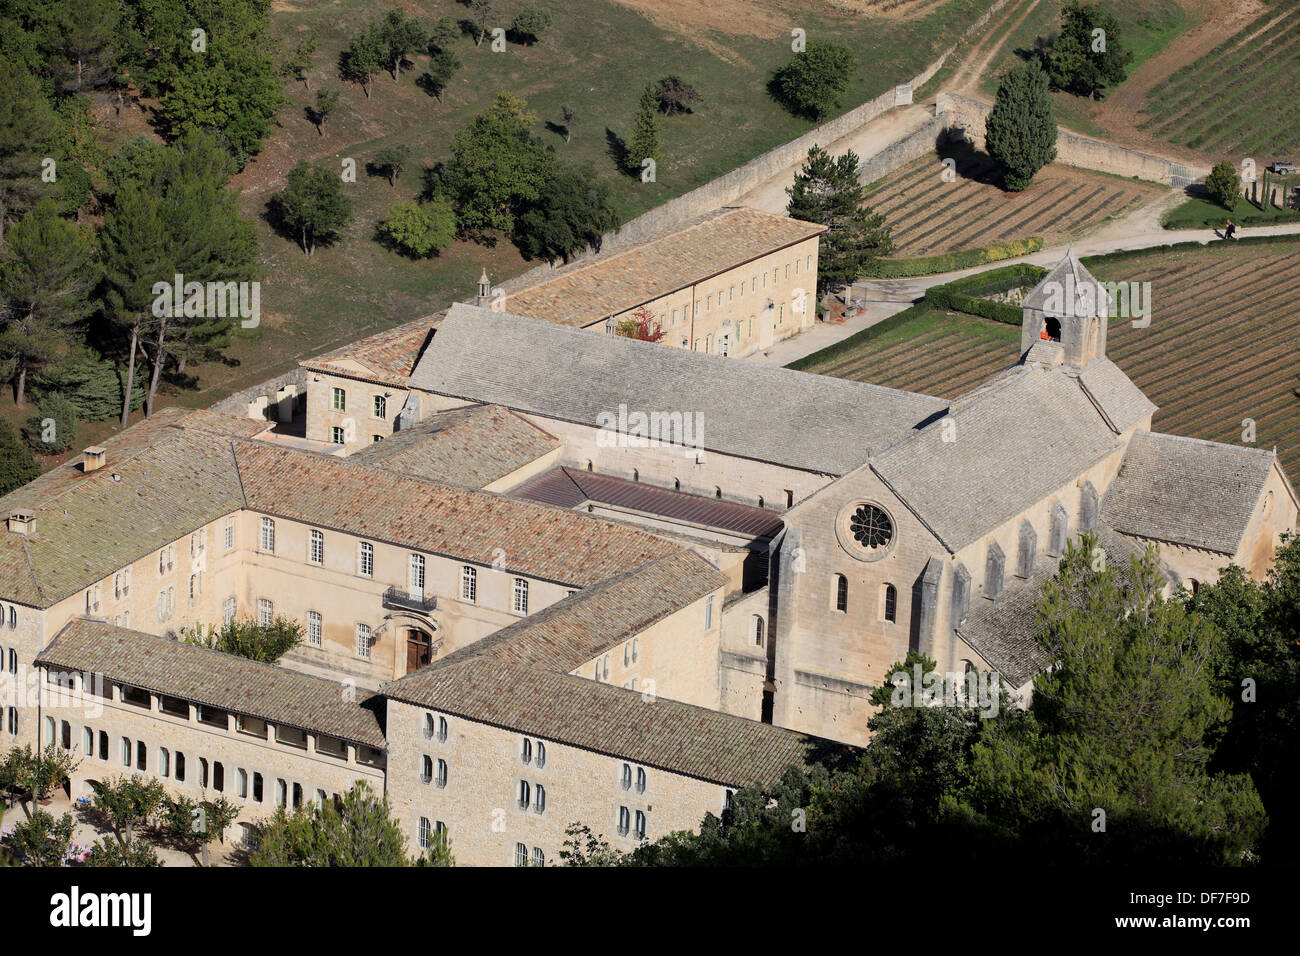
(237, 404)
(912, 147)
(967, 115)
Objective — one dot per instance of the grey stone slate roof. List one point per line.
(1069, 268)
(1120, 401)
(801, 420)
(1012, 445)
(469, 447)
(1003, 631)
(211, 677)
(1187, 491)
(680, 738)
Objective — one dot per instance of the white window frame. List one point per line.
(366, 559)
(315, 628)
(520, 598)
(267, 540)
(469, 583)
(363, 641)
(316, 546)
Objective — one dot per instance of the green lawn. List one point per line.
(1203, 214)
(596, 59)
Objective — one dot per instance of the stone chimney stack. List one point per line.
(93, 458)
(22, 522)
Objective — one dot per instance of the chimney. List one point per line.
(93, 458)
(22, 522)
(484, 291)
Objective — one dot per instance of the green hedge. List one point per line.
(1124, 254)
(952, 261)
(859, 338)
(964, 295)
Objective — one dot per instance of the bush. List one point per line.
(17, 466)
(812, 83)
(1224, 184)
(952, 261)
(52, 429)
(964, 295)
(419, 229)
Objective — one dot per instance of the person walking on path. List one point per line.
(1231, 230)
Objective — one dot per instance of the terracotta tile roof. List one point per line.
(587, 292)
(539, 541)
(1187, 491)
(570, 487)
(586, 624)
(175, 474)
(662, 733)
(386, 357)
(470, 447)
(210, 677)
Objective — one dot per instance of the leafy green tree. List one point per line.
(42, 840)
(1224, 184)
(114, 853)
(390, 161)
(54, 428)
(39, 772)
(247, 637)
(402, 35)
(26, 125)
(196, 824)
(439, 853)
(358, 832)
(827, 191)
(47, 272)
(443, 33)
(530, 23)
(812, 83)
(128, 802)
(573, 212)
(17, 466)
(419, 229)
(497, 167)
(232, 89)
(365, 56)
(1259, 672)
(1125, 723)
(326, 102)
(646, 142)
(1020, 132)
(443, 65)
(297, 62)
(584, 848)
(312, 206)
(1079, 60)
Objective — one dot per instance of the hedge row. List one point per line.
(952, 261)
(965, 295)
(860, 338)
(1202, 221)
(1124, 254)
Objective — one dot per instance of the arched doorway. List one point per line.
(419, 648)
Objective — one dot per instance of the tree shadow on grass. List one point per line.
(616, 147)
(972, 164)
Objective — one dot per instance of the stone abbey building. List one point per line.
(573, 577)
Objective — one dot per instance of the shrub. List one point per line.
(419, 229)
(952, 261)
(1224, 184)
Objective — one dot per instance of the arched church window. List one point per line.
(993, 568)
(758, 631)
(841, 593)
(1059, 532)
(1087, 507)
(889, 609)
(960, 594)
(1052, 329)
(1028, 545)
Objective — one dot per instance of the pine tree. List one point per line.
(827, 191)
(1020, 132)
(645, 141)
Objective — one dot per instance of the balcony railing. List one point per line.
(397, 598)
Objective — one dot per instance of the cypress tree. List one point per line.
(1020, 132)
(645, 142)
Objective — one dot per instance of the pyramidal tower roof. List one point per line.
(1067, 275)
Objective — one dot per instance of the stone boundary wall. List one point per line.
(962, 113)
(899, 154)
(729, 187)
(237, 404)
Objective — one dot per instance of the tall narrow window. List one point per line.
(230, 533)
(525, 795)
(521, 596)
(708, 613)
(841, 593)
(316, 547)
(1028, 546)
(539, 799)
(426, 769)
(228, 610)
(314, 628)
(469, 583)
(441, 779)
(241, 783)
(758, 631)
(366, 559)
(164, 762)
(993, 567)
(521, 854)
(624, 821)
(417, 573)
(265, 612)
(539, 858)
(381, 406)
(423, 833)
(639, 830)
(340, 398)
(889, 604)
(640, 779)
(268, 535)
(626, 780)
(363, 641)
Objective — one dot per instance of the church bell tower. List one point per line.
(1066, 312)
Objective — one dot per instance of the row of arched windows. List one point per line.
(888, 599)
(1027, 547)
